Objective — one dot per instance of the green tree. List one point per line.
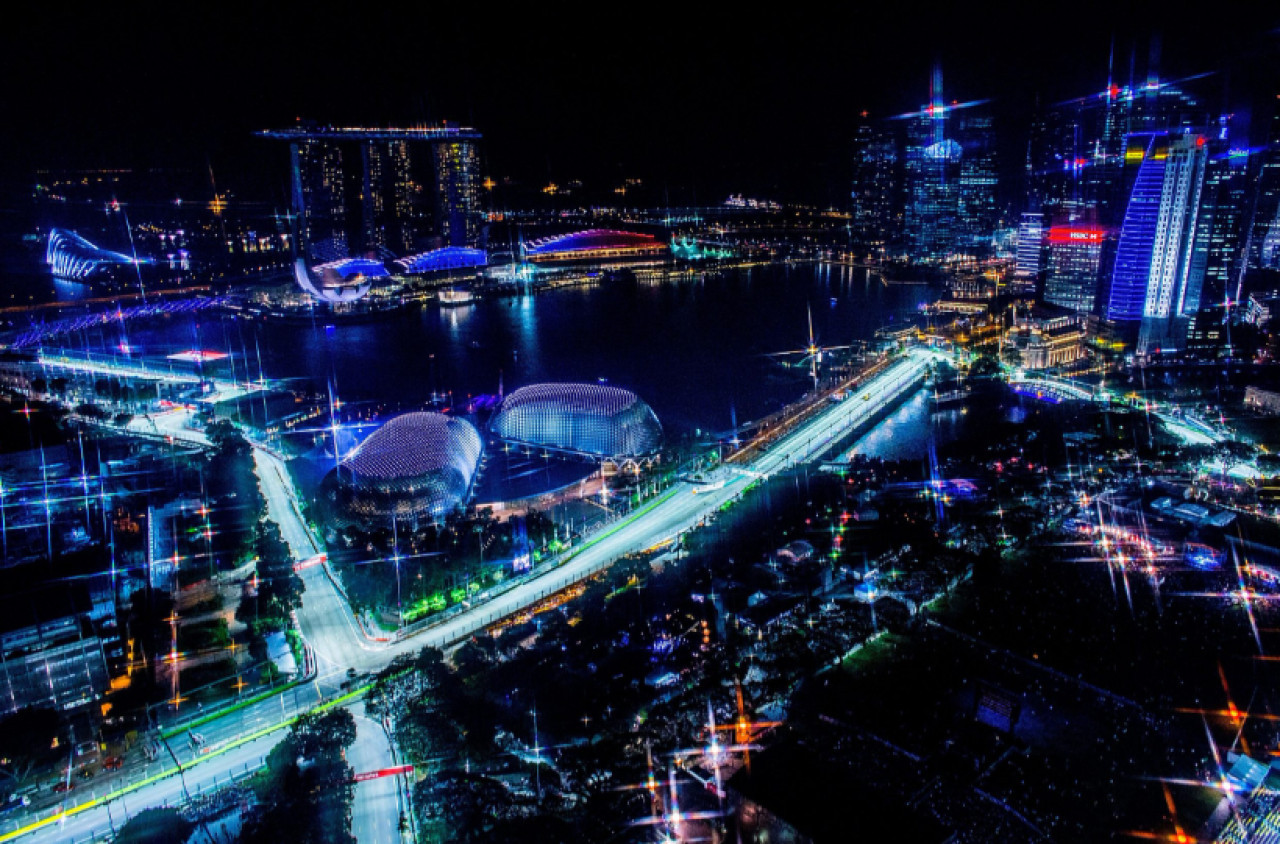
(279, 589)
(306, 788)
(154, 826)
(27, 739)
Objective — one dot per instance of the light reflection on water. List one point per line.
(904, 433)
(695, 351)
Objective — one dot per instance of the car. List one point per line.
(62, 786)
(15, 801)
(112, 763)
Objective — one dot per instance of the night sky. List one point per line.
(695, 103)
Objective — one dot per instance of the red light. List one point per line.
(1076, 234)
(1200, 142)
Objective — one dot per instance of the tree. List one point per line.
(27, 741)
(279, 587)
(323, 736)
(306, 788)
(985, 366)
(154, 826)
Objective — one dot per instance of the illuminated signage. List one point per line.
(1071, 234)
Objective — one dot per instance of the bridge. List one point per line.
(223, 389)
(243, 738)
(1188, 427)
(326, 621)
(1054, 389)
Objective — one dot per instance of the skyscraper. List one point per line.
(458, 192)
(1030, 244)
(318, 199)
(1264, 248)
(1075, 251)
(950, 173)
(1157, 280)
(978, 214)
(369, 193)
(1222, 227)
(875, 209)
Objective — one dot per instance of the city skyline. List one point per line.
(555, 107)
(643, 425)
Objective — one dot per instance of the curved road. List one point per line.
(339, 643)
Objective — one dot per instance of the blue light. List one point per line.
(72, 257)
(582, 418)
(1137, 240)
(448, 258)
(348, 267)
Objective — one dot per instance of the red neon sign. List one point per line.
(1074, 234)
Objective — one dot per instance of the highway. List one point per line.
(339, 643)
(99, 819)
(1185, 426)
(375, 815)
(234, 742)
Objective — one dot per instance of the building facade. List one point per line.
(53, 664)
(1158, 274)
(1075, 252)
(382, 194)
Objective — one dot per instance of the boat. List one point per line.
(451, 296)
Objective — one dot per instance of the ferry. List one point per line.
(451, 296)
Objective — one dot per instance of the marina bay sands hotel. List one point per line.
(382, 193)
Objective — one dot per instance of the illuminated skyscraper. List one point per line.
(319, 199)
(1030, 244)
(372, 193)
(1157, 278)
(1264, 248)
(875, 209)
(950, 173)
(1075, 250)
(458, 192)
(391, 224)
(978, 215)
(1222, 230)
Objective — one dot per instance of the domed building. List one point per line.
(587, 419)
(418, 466)
(595, 245)
(339, 282)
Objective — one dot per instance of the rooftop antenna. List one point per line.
(936, 106)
